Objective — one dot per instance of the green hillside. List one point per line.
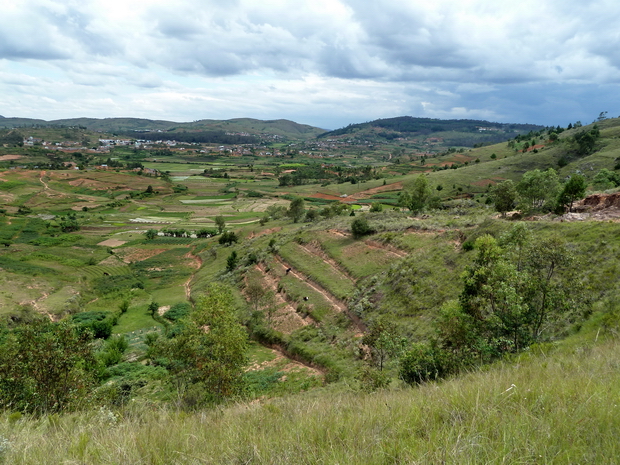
(216, 305)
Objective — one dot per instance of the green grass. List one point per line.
(316, 269)
(356, 256)
(550, 408)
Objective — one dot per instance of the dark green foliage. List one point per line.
(100, 323)
(424, 362)
(574, 189)
(538, 190)
(416, 196)
(384, 341)
(606, 179)
(113, 350)
(178, 311)
(312, 215)
(232, 261)
(360, 227)
(209, 355)
(45, 367)
(220, 223)
(516, 292)
(586, 140)
(206, 232)
(296, 209)
(376, 207)
(153, 308)
(150, 234)
(504, 196)
(228, 238)
(21, 267)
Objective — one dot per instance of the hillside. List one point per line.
(128, 126)
(461, 132)
(397, 330)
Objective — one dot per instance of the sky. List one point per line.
(327, 63)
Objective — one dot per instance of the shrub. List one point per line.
(360, 227)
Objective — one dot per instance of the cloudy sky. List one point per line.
(322, 62)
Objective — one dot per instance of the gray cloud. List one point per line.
(332, 60)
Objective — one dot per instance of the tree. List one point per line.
(220, 223)
(538, 189)
(417, 195)
(515, 292)
(376, 207)
(153, 308)
(504, 196)
(360, 227)
(46, 367)
(228, 238)
(574, 189)
(384, 341)
(150, 234)
(296, 209)
(231, 261)
(208, 357)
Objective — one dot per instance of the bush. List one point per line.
(360, 227)
(178, 311)
(423, 363)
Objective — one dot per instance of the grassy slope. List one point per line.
(474, 419)
(554, 407)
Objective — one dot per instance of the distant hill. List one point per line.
(461, 132)
(128, 126)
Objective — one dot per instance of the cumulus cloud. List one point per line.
(324, 62)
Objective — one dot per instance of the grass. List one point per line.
(315, 268)
(548, 408)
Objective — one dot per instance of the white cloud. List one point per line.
(325, 62)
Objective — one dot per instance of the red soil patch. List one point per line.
(377, 190)
(599, 202)
(318, 195)
(10, 157)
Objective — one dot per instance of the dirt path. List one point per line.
(286, 318)
(337, 304)
(281, 351)
(42, 181)
(315, 249)
(197, 264)
(386, 248)
(35, 306)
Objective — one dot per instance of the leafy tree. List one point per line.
(504, 196)
(46, 367)
(513, 293)
(606, 179)
(360, 227)
(220, 223)
(150, 234)
(228, 238)
(208, 357)
(296, 209)
(574, 189)
(312, 215)
(384, 341)
(538, 189)
(586, 140)
(232, 261)
(376, 207)
(417, 195)
(153, 308)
